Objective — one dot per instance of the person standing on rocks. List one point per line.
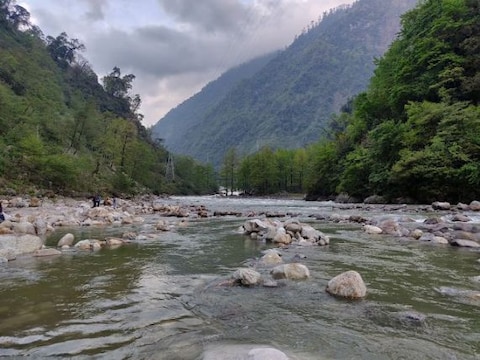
(96, 200)
(2, 215)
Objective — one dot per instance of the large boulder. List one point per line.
(20, 244)
(348, 285)
(293, 271)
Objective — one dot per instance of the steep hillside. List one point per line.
(62, 131)
(176, 123)
(287, 103)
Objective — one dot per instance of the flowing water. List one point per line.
(161, 298)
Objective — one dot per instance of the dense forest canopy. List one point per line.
(62, 130)
(415, 133)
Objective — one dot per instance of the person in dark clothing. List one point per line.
(2, 215)
(96, 200)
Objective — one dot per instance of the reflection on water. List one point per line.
(160, 299)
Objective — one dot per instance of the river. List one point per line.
(160, 298)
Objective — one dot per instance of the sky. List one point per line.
(174, 47)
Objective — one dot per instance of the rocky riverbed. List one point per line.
(296, 239)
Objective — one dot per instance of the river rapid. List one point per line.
(161, 297)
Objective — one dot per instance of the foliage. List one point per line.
(415, 132)
(61, 130)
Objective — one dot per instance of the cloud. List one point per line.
(229, 16)
(174, 47)
(96, 9)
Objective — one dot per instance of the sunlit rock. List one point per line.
(66, 239)
(349, 285)
(293, 271)
(465, 243)
(441, 205)
(270, 258)
(247, 277)
(372, 230)
(281, 237)
(24, 227)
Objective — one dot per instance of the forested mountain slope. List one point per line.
(415, 133)
(173, 126)
(62, 131)
(287, 103)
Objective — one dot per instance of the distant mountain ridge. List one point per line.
(287, 102)
(173, 126)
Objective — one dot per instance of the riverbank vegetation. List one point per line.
(64, 130)
(414, 134)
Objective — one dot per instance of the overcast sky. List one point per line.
(174, 47)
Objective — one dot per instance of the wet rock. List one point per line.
(46, 252)
(439, 205)
(242, 352)
(371, 229)
(348, 285)
(465, 243)
(162, 225)
(460, 218)
(114, 242)
(474, 205)
(293, 271)
(247, 277)
(281, 237)
(416, 234)
(270, 258)
(66, 239)
(266, 354)
(432, 221)
(8, 254)
(21, 244)
(375, 199)
(412, 317)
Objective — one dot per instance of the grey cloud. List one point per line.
(96, 9)
(161, 51)
(210, 15)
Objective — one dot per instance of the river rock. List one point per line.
(242, 352)
(21, 244)
(247, 277)
(66, 239)
(8, 254)
(83, 245)
(46, 252)
(474, 205)
(24, 227)
(465, 243)
(162, 225)
(293, 271)
(281, 237)
(439, 205)
(114, 242)
(371, 229)
(461, 218)
(266, 354)
(349, 285)
(270, 258)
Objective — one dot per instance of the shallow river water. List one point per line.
(160, 298)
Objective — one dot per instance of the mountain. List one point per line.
(414, 134)
(288, 102)
(61, 131)
(188, 114)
